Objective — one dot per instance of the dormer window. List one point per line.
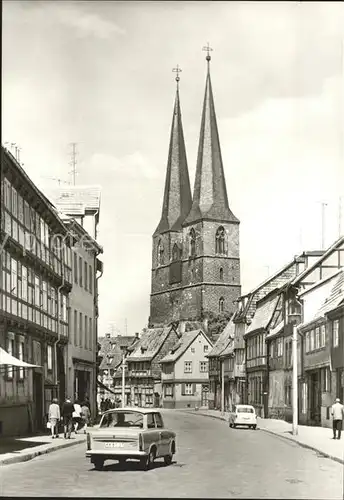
(220, 241)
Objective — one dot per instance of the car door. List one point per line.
(164, 442)
(151, 435)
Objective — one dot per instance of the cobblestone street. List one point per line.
(212, 460)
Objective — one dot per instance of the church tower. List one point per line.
(211, 262)
(168, 236)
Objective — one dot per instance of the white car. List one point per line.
(243, 415)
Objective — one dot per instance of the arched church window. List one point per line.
(160, 254)
(221, 241)
(175, 252)
(192, 243)
(221, 273)
(221, 305)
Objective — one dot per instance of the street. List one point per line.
(212, 460)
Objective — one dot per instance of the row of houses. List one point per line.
(164, 367)
(251, 362)
(48, 297)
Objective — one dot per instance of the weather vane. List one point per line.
(208, 49)
(177, 70)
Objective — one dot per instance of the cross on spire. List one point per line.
(208, 49)
(177, 70)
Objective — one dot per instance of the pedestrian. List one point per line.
(76, 416)
(54, 418)
(85, 415)
(337, 412)
(67, 415)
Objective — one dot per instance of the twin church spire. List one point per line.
(210, 199)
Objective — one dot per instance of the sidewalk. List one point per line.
(24, 449)
(318, 439)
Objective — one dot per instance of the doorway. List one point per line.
(204, 395)
(315, 399)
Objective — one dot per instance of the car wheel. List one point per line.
(168, 459)
(98, 464)
(234, 426)
(254, 426)
(148, 461)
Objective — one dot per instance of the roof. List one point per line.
(74, 200)
(210, 199)
(224, 339)
(229, 349)
(111, 351)
(149, 344)
(177, 196)
(263, 314)
(69, 221)
(182, 345)
(338, 243)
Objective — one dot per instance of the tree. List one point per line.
(216, 323)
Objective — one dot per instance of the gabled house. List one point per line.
(335, 326)
(319, 381)
(143, 374)
(184, 374)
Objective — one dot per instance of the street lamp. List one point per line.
(124, 352)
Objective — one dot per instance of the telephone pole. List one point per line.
(73, 162)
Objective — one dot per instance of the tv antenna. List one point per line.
(73, 162)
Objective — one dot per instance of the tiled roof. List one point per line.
(229, 349)
(111, 351)
(335, 298)
(77, 198)
(263, 315)
(223, 340)
(180, 347)
(149, 344)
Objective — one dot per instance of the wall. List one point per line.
(196, 357)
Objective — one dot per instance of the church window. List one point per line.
(221, 305)
(160, 254)
(220, 241)
(192, 243)
(175, 253)
(221, 273)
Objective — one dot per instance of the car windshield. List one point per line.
(122, 419)
(245, 409)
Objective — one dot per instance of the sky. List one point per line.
(100, 74)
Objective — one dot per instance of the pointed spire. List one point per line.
(210, 194)
(177, 196)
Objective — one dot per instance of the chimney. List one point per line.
(205, 325)
(137, 335)
(181, 327)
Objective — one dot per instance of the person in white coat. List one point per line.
(76, 416)
(54, 418)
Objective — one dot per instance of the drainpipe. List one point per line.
(96, 332)
(58, 325)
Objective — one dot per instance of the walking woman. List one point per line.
(77, 416)
(85, 415)
(54, 418)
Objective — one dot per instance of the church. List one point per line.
(195, 254)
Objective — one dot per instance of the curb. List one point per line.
(286, 438)
(304, 445)
(36, 453)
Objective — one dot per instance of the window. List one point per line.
(85, 275)
(80, 329)
(168, 388)
(175, 252)
(221, 274)
(188, 390)
(272, 349)
(86, 336)
(203, 366)
(90, 333)
(50, 357)
(21, 357)
(205, 348)
(187, 366)
(192, 239)
(311, 340)
(158, 420)
(160, 254)
(221, 305)
(150, 421)
(10, 350)
(322, 336)
(80, 271)
(304, 397)
(75, 267)
(317, 338)
(90, 279)
(220, 241)
(326, 379)
(287, 394)
(335, 333)
(307, 341)
(279, 347)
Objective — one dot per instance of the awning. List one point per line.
(105, 388)
(9, 360)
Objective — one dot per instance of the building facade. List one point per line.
(195, 257)
(83, 301)
(35, 282)
(184, 374)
